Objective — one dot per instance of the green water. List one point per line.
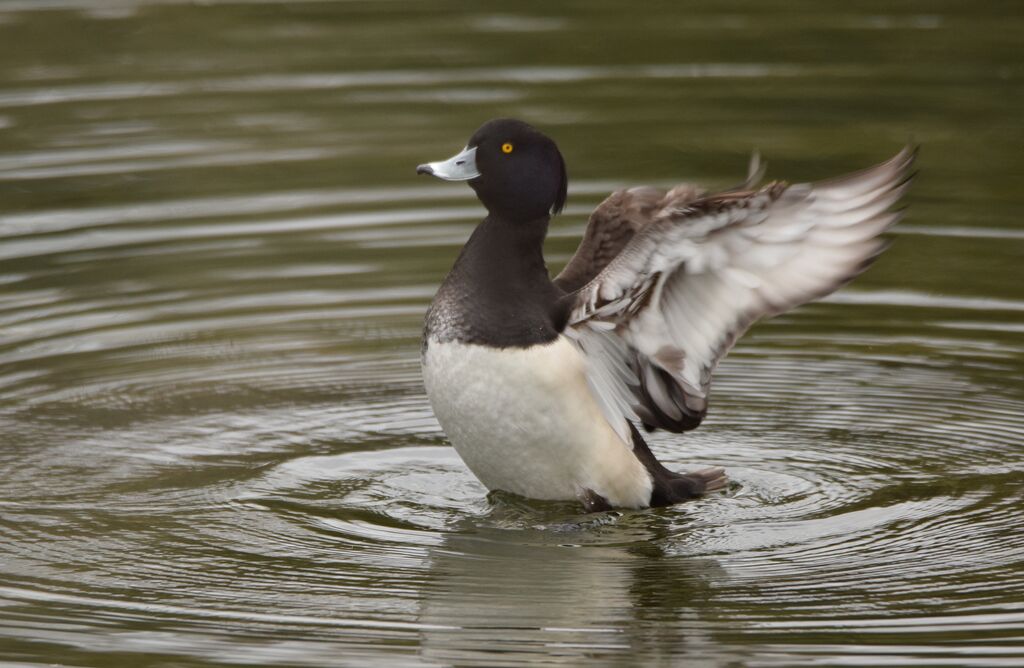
(215, 448)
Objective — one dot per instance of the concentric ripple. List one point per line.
(214, 259)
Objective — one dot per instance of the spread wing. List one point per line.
(655, 320)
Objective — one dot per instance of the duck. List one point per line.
(544, 385)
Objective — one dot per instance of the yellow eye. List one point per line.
(507, 147)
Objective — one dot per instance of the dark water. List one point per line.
(214, 260)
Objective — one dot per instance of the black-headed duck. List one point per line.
(541, 384)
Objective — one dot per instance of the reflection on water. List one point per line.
(214, 260)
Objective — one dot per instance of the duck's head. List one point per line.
(517, 171)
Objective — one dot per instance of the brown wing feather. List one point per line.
(613, 224)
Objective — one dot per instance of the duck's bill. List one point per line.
(461, 167)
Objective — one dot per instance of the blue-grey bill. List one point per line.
(461, 167)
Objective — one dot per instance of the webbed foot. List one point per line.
(678, 487)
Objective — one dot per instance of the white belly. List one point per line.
(524, 421)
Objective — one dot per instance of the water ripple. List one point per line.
(216, 444)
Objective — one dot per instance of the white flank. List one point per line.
(524, 421)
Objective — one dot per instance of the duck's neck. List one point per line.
(498, 293)
(508, 252)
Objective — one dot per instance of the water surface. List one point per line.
(214, 261)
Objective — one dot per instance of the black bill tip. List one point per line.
(425, 169)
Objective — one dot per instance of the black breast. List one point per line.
(499, 292)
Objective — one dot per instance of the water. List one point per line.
(214, 262)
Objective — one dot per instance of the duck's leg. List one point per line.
(671, 487)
